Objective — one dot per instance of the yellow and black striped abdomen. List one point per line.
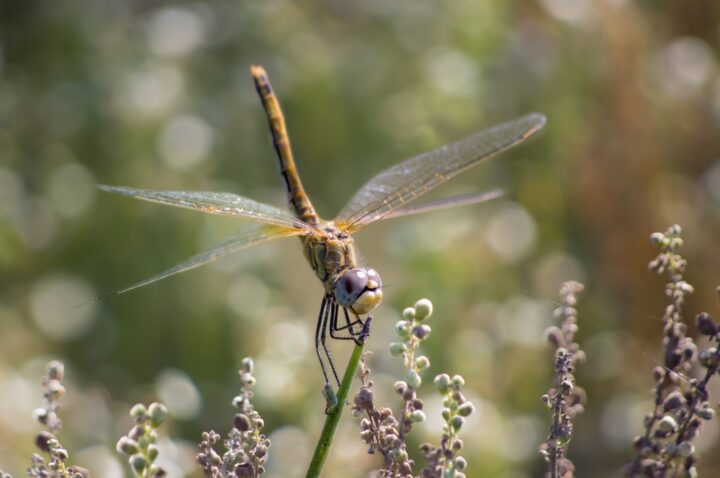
(299, 202)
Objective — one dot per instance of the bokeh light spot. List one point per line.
(148, 93)
(523, 320)
(62, 306)
(682, 68)
(295, 452)
(178, 392)
(185, 141)
(452, 72)
(175, 32)
(248, 297)
(71, 188)
(571, 11)
(289, 340)
(36, 223)
(100, 458)
(510, 232)
(556, 268)
(11, 192)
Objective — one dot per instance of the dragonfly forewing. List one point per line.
(444, 203)
(397, 186)
(226, 204)
(246, 237)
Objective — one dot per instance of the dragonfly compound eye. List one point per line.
(360, 289)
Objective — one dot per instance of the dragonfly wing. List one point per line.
(246, 237)
(226, 204)
(406, 181)
(444, 203)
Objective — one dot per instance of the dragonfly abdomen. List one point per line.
(297, 198)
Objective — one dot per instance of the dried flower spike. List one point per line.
(386, 435)
(57, 466)
(444, 459)
(681, 401)
(140, 444)
(246, 447)
(565, 399)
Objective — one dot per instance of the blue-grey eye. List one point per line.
(353, 282)
(359, 289)
(350, 286)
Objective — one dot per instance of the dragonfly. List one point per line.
(328, 246)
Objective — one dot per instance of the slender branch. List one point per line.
(333, 416)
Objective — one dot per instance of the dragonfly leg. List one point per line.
(357, 336)
(330, 309)
(334, 328)
(360, 337)
(365, 332)
(320, 321)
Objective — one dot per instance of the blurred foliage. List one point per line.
(157, 94)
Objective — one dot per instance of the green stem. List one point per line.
(333, 416)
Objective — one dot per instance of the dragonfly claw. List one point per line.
(365, 332)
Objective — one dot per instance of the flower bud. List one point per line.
(458, 381)
(457, 422)
(442, 382)
(706, 413)
(138, 463)
(421, 331)
(157, 412)
(152, 452)
(466, 409)
(138, 411)
(55, 389)
(247, 365)
(422, 362)
(423, 309)
(686, 449)
(56, 370)
(397, 349)
(127, 446)
(709, 357)
(402, 328)
(657, 238)
(43, 440)
(417, 416)
(399, 455)
(667, 424)
(244, 470)
(413, 379)
(242, 422)
(705, 324)
(673, 401)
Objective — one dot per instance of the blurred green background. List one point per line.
(158, 95)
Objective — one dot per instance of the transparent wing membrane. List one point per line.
(226, 204)
(395, 187)
(246, 237)
(444, 203)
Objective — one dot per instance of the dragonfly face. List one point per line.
(358, 289)
(328, 245)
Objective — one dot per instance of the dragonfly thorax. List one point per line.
(331, 254)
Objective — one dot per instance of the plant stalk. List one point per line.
(333, 416)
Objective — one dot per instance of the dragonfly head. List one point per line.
(359, 289)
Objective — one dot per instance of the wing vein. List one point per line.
(408, 180)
